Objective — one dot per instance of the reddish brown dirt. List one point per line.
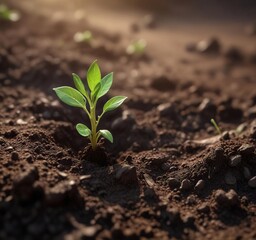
(162, 181)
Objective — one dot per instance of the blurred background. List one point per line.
(194, 40)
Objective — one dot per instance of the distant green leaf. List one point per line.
(106, 84)
(113, 103)
(79, 84)
(8, 14)
(93, 76)
(70, 96)
(83, 130)
(107, 134)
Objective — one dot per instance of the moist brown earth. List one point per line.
(168, 174)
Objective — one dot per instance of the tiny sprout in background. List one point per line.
(86, 97)
(8, 14)
(137, 47)
(83, 37)
(216, 126)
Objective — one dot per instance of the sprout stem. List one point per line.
(216, 126)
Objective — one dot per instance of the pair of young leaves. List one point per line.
(97, 88)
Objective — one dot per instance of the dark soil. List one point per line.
(167, 175)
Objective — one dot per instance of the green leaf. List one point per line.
(106, 84)
(93, 76)
(79, 84)
(70, 96)
(83, 130)
(113, 103)
(107, 134)
(96, 91)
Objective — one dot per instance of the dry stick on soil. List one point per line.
(96, 88)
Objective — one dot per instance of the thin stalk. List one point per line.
(216, 126)
(94, 128)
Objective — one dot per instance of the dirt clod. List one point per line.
(126, 174)
(227, 200)
(65, 192)
(24, 184)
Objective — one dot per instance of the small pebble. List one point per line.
(200, 185)
(173, 183)
(220, 197)
(230, 179)
(166, 109)
(21, 122)
(204, 208)
(191, 200)
(252, 112)
(235, 160)
(247, 173)
(211, 46)
(233, 198)
(246, 149)
(126, 174)
(252, 182)
(15, 156)
(186, 185)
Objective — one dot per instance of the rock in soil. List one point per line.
(229, 199)
(211, 46)
(173, 183)
(15, 156)
(11, 133)
(167, 110)
(235, 160)
(126, 174)
(247, 173)
(252, 112)
(207, 108)
(204, 208)
(252, 132)
(252, 182)
(65, 192)
(186, 185)
(200, 185)
(246, 149)
(24, 184)
(230, 179)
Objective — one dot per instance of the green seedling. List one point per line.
(8, 14)
(137, 47)
(86, 97)
(83, 37)
(216, 126)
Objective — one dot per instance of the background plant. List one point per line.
(83, 37)
(137, 47)
(86, 97)
(217, 128)
(8, 14)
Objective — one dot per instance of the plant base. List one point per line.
(98, 156)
